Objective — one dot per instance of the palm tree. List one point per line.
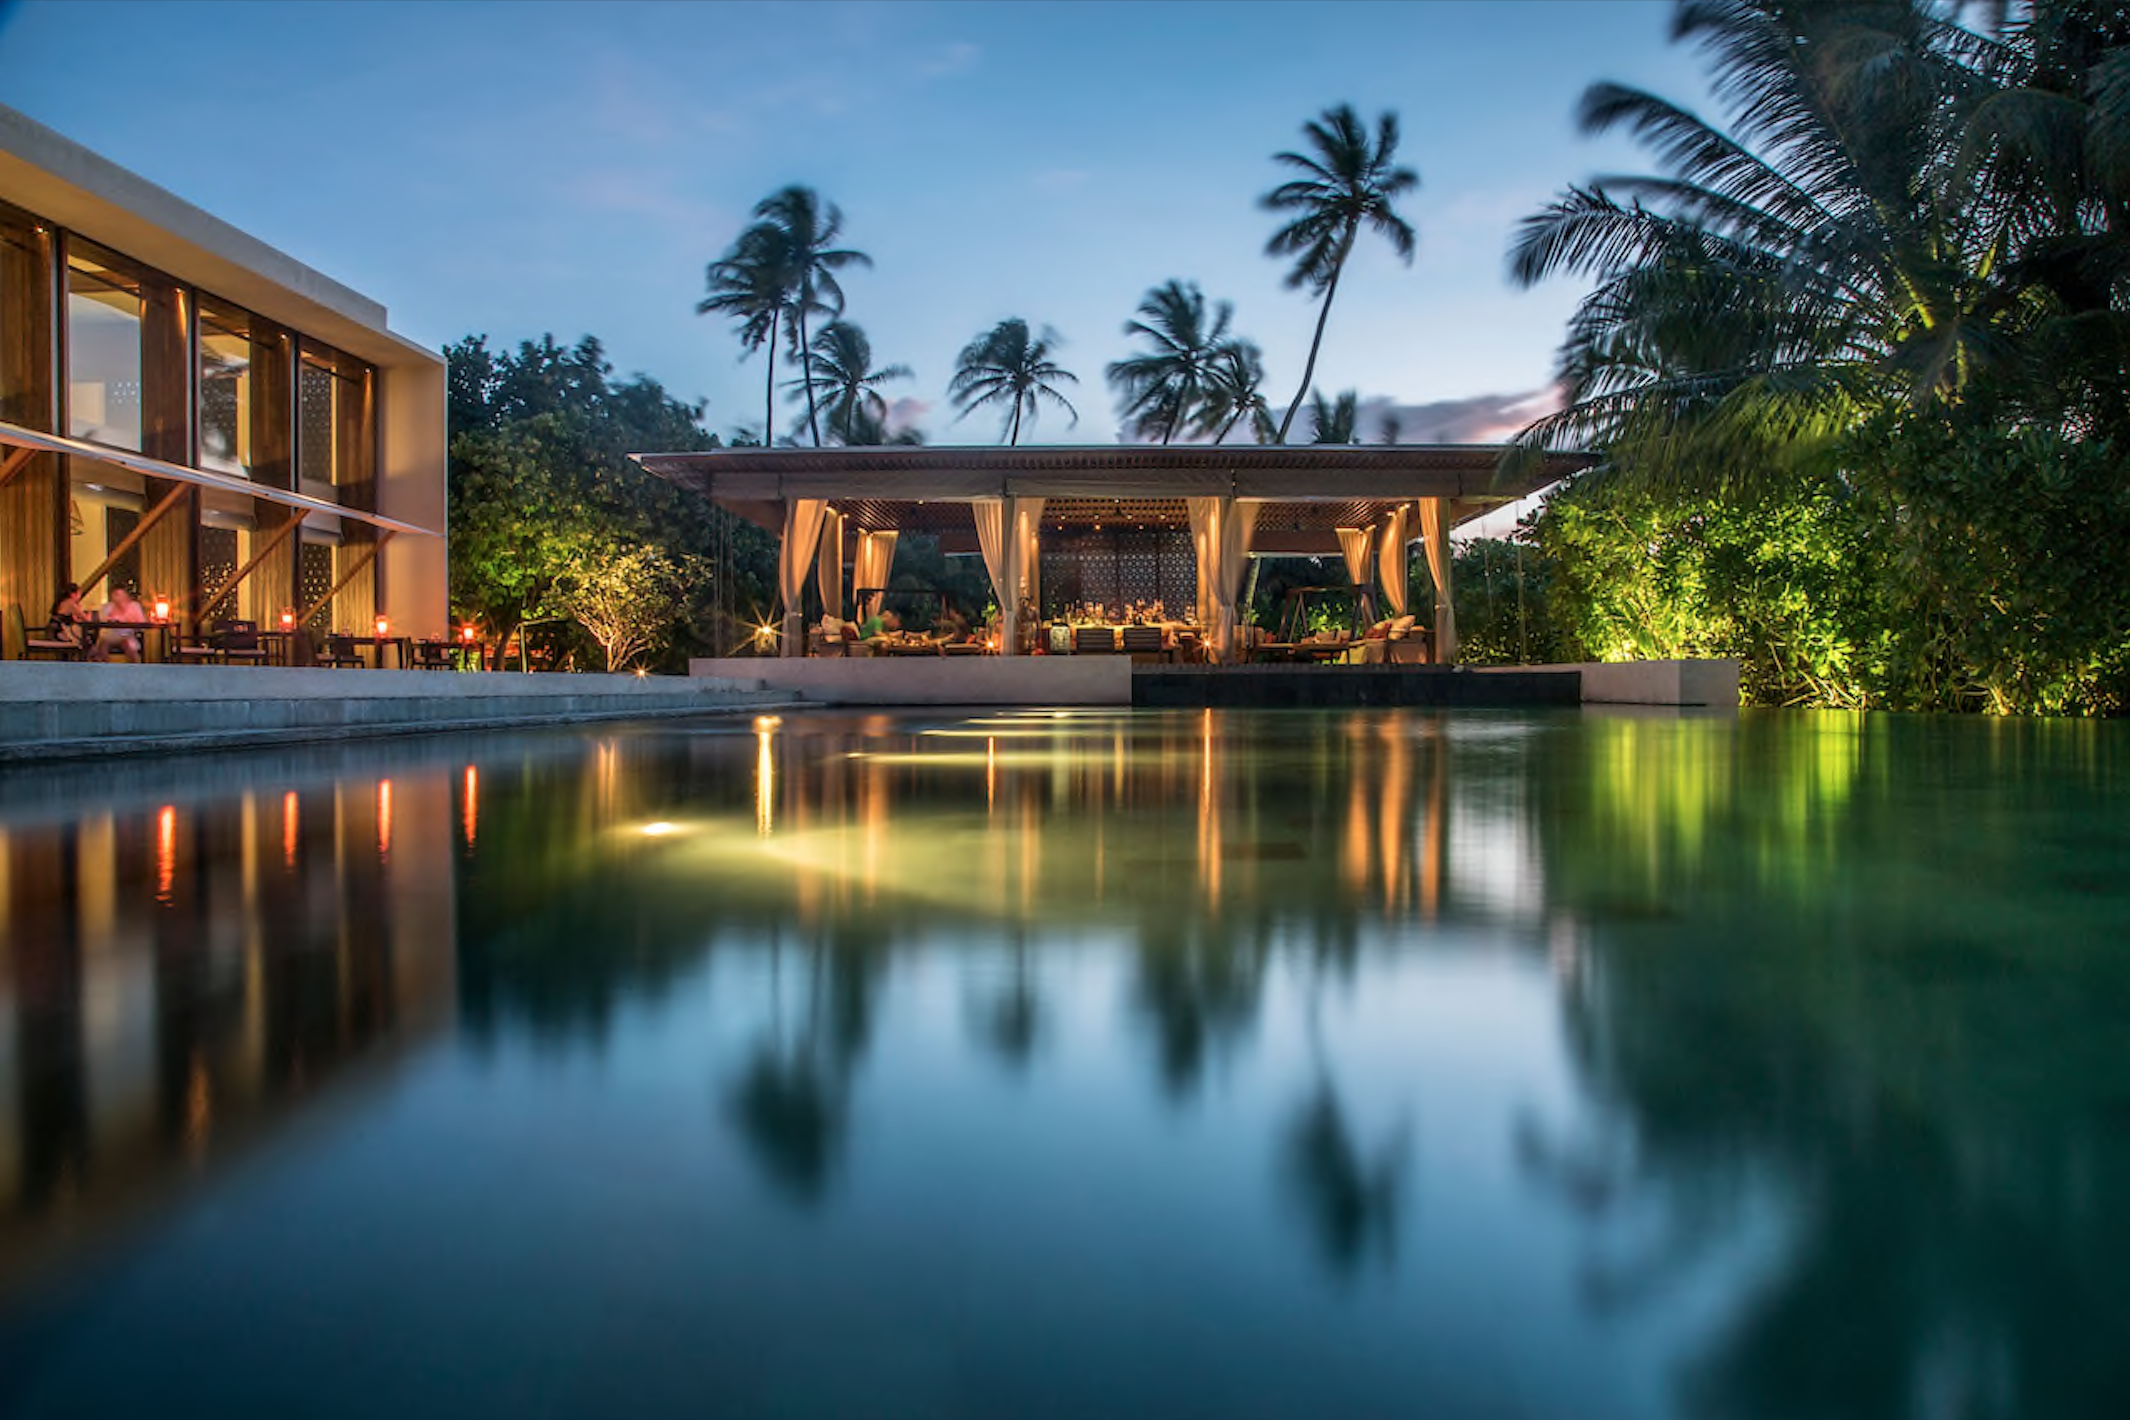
(750, 283)
(1349, 183)
(805, 231)
(839, 361)
(1007, 364)
(1235, 394)
(1335, 421)
(1824, 259)
(1169, 388)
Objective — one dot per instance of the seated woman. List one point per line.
(880, 623)
(67, 617)
(950, 626)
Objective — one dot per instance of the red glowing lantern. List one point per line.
(288, 619)
(162, 608)
(382, 626)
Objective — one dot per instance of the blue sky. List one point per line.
(515, 169)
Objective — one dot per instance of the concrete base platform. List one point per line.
(936, 680)
(1344, 687)
(52, 710)
(1684, 682)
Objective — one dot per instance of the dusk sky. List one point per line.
(518, 169)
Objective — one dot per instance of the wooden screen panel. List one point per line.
(33, 504)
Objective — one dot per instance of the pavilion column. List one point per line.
(802, 530)
(1435, 528)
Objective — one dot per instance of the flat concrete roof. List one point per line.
(56, 178)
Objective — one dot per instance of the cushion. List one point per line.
(1377, 632)
(1402, 625)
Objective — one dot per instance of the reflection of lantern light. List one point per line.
(291, 827)
(765, 774)
(384, 817)
(473, 794)
(165, 852)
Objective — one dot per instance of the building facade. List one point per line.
(188, 412)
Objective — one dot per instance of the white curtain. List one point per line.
(1221, 530)
(828, 566)
(1435, 532)
(802, 530)
(1391, 562)
(990, 515)
(870, 569)
(1355, 544)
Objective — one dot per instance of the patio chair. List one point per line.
(34, 646)
(1094, 640)
(1143, 644)
(432, 655)
(340, 651)
(239, 641)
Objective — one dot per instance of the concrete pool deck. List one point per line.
(1114, 680)
(57, 710)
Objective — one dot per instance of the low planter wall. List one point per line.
(937, 680)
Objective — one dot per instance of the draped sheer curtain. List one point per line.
(869, 571)
(1221, 531)
(802, 532)
(828, 565)
(1355, 545)
(1391, 565)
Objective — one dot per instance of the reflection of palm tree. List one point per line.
(1008, 365)
(1200, 995)
(1348, 183)
(1350, 1202)
(1012, 1022)
(792, 1103)
(792, 1110)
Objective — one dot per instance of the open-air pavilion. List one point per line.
(1174, 523)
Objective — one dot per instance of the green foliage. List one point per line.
(626, 596)
(1955, 566)
(540, 485)
(1855, 362)
(1503, 590)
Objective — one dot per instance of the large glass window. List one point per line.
(226, 387)
(104, 320)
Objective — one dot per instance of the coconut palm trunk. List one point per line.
(806, 376)
(1316, 343)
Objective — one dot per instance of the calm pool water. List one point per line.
(1103, 1064)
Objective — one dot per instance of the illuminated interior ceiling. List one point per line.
(1305, 492)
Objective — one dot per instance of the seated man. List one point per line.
(125, 645)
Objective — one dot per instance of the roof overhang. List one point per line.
(15, 436)
(1335, 485)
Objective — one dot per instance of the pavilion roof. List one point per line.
(1311, 485)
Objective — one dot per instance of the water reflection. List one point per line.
(180, 964)
(1122, 1064)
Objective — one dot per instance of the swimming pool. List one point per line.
(1088, 1063)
